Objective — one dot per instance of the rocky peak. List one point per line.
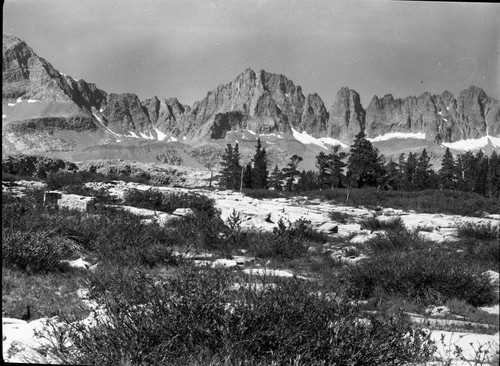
(347, 116)
(28, 76)
(126, 113)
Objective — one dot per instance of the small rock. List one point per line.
(437, 310)
(183, 212)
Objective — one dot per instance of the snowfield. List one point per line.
(398, 135)
(473, 144)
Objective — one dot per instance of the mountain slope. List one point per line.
(45, 111)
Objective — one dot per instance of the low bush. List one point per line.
(196, 315)
(340, 217)
(429, 277)
(480, 254)
(374, 224)
(481, 231)
(287, 241)
(34, 252)
(153, 199)
(62, 180)
(395, 240)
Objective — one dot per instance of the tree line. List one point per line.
(362, 167)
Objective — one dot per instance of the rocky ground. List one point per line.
(19, 342)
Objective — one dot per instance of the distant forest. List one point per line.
(363, 167)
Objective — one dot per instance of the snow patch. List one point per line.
(3, 116)
(11, 104)
(144, 136)
(172, 138)
(101, 110)
(473, 144)
(440, 113)
(19, 100)
(253, 133)
(106, 127)
(33, 101)
(444, 119)
(183, 138)
(133, 134)
(161, 135)
(399, 135)
(307, 139)
(330, 141)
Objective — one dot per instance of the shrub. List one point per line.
(374, 224)
(37, 252)
(397, 240)
(425, 276)
(340, 217)
(195, 315)
(155, 200)
(481, 231)
(62, 180)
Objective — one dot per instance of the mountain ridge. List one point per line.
(36, 94)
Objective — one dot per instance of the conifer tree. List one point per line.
(365, 167)
(423, 172)
(230, 174)
(308, 181)
(290, 171)
(226, 179)
(393, 179)
(481, 173)
(259, 171)
(237, 170)
(494, 175)
(247, 177)
(275, 179)
(447, 173)
(410, 168)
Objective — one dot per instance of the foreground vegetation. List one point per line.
(162, 310)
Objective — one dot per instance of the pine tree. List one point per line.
(247, 177)
(230, 174)
(447, 173)
(308, 181)
(494, 175)
(393, 179)
(410, 168)
(259, 171)
(481, 173)
(237, 170)
(324, 174)
(423, 172)
(226, 179)
(290, 171)
(468, 167)
(365, 167)
(275, 179)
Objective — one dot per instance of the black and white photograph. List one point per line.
(250, 182)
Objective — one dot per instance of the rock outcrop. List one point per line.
(124, 112)
(441, 117)
(347, 116)
(27, 76)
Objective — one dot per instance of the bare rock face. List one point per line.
(27, 76)
(314, 117)
(347, 116)
(441, 117)
(125, 112)
(261, 102)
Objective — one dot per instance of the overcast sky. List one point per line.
(184, 48)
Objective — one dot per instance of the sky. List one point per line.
(185, 48)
